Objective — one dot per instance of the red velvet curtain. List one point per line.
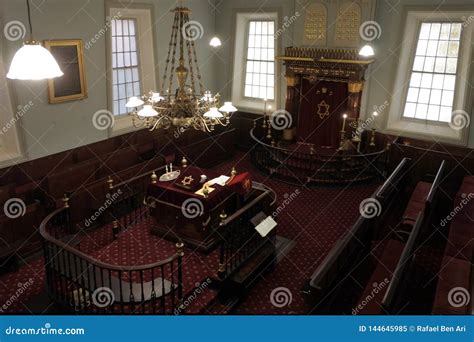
(320, 116)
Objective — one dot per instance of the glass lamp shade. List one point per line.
(156, 97)
(147, 112)
(33, 62)
(215, 42)
(134, 102)
(228, 107)
(213, 113)
(367, 51)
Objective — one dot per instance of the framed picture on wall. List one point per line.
(70, 56)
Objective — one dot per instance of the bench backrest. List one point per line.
(395, 291)
(393, 182)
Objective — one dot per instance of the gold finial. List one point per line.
(184, 162)
(154, 177)
(180, 249)
(110, 182)
(205, 191)
(223, 217)
(233, 172)
(66, 201)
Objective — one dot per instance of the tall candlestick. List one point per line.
(167, 168)
(344, 122)
(171, 167)
(375, 114)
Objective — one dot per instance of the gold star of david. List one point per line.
(187, 180)
(323, 109)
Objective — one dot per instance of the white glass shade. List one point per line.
(213, 113)
(215, 42)
(367, 51)
(156, 97)
(228, 107)
(33, 62)
(207, 96)
(147, 111)
(134, 102)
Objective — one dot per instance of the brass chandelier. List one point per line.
(186, 107)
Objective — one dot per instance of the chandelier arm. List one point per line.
(191, 69)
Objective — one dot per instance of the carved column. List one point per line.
(355, 96)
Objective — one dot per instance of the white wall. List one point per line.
(49, 129)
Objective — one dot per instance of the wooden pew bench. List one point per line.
(456, 269)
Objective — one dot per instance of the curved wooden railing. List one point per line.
(77, 280)
(336, 168)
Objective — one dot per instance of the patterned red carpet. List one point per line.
(312, 218)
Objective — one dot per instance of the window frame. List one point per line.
(397, 123)
(241, 26)
(11, 137)
(148, 70)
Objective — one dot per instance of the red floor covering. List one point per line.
(314, 220)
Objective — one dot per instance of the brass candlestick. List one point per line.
(341, 143)
(372, 137)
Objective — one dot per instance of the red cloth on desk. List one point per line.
(168, 192)
(241, 183)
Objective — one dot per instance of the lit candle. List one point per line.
(375, 114)
(171, 167)
(344, 122)
(167, 168)
(265, 106)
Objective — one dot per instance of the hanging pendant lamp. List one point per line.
(32, 61)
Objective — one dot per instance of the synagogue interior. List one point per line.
(217, 157)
